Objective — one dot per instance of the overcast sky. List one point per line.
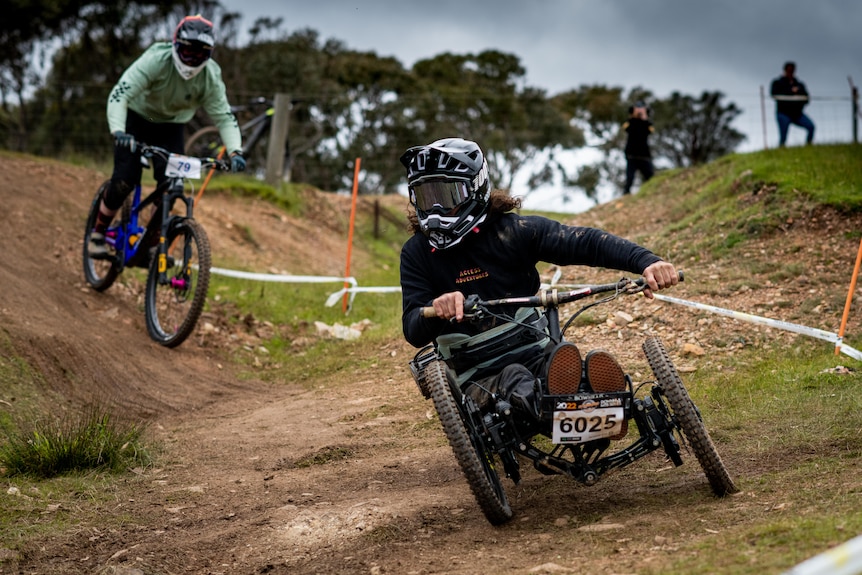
(733, 46)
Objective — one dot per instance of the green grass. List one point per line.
(788, 427)
(34, 510)
(789, 430)
(44, 446)
(739, 197)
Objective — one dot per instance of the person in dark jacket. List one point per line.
(638, 156)
(790, 99)
(467, 240)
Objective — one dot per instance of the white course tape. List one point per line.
(846, 559)
(284, 278)
(354, 289)
(333, 298)
(776, 323)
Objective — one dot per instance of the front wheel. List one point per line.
(474, 457)
(173, 305)
(687, 417)
(99, 273)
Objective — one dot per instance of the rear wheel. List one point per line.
(687, 417)
(99, 273)
(205, 143)
(173, 307)
(474, 457)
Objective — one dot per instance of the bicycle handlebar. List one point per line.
(149, 151)
(553, 297)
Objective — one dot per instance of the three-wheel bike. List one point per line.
(575, 430)
(148, 233)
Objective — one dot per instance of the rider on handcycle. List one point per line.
(152, 101)
(467, 240)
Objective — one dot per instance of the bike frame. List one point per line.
(258, 125)
(127, 239)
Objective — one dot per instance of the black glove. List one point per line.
(237, 162)
(124, 140)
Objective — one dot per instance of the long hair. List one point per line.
(498, 202)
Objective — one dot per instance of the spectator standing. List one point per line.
(638, 156)
(790, 99)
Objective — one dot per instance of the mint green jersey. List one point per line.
(153, 88)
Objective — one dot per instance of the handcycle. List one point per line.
(173, 246)
(575, 430)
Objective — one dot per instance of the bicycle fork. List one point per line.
(179, 282)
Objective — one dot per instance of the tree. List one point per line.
(688, 130)
(480, 97)
(95, 37)
(692, 131)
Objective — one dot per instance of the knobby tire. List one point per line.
(476, 461)
(687, 417)
(100, 274)
(172, 312)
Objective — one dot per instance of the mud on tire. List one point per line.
(476, 461)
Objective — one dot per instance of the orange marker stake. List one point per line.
(849, 297)
(209, 176)
(350, 233)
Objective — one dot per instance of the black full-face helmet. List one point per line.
(194, 40)
(449, 187)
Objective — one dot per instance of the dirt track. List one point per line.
(233, 496)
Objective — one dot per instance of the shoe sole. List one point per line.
(564, 370)
(604, 373)
(606, 376)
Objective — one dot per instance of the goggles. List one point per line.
(193, 53)
(443, 194)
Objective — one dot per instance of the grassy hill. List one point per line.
(773, 234)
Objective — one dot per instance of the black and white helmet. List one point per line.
(449, 187)
(194, 40)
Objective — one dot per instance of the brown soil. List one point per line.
(232, 493)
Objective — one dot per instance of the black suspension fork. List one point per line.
(175, 191)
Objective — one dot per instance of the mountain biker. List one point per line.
(152, 101)
(467, 240)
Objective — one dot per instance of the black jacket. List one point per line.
(638, 131)
(789, 87)
(500, 261)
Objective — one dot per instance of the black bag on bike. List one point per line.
(477, 356)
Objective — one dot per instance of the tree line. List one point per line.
(60, 58)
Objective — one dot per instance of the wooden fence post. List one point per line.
(277, 140)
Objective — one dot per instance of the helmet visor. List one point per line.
(193, 53)
(442, 194)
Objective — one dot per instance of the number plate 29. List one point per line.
(587, 424)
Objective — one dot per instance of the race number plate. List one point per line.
(183, 167)
(587, 420)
